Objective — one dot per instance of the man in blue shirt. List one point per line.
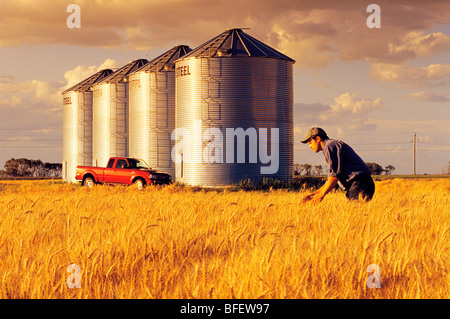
(346, 168)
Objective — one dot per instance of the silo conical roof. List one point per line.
(165, 60)
(127, 69)
(235, 42)
(87, 83)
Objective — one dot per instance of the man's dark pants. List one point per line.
(362, 185)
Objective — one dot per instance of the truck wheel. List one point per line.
(139, 183)
(88, 182)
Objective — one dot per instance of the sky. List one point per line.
(373, 88)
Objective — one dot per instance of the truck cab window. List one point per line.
(121, 164)
(110, 163)
(136, 163)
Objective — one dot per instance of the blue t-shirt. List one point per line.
(343, 162)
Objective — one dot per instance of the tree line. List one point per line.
(446, 169)
(312, 170)
(23, 167)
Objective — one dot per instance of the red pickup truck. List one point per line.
(122, 170)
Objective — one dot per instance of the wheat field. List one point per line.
(179, 242)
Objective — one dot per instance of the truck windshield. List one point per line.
(136, 163)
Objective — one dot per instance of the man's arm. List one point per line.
(319, 194)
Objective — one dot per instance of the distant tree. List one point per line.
(307, 169)
(375, 169)
(389, 169)
(318, 169)
(297, 169)
(23, 167)
(52, 169)
(12, 167)
(446, 170)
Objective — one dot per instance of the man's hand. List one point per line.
(307, 198)
(318, 195)
(315, 198)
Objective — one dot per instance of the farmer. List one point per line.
(346, 168)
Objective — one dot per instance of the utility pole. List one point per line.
(414, 153)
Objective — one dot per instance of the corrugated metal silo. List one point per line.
(110, 114)
(152, 110)
(234, 103)
(77, 125)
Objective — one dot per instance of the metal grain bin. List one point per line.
(234, 104)
(110, 114)
(77, 125)
(152, 110)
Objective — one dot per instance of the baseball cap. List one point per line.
(314, 131)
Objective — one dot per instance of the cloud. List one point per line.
(352, 104)
(31, 104)
(420, 45)
(349, 110)
(40, 102)
(12, 101)
(308, 113)
(428, 97)
(432, 75)
(306, 38)
(82, 72)
(322, 84)
(42, 90)
(318, 35)
(23, 93)
(314, 33)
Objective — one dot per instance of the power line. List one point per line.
(391, 150)
(32, 146)
(440, 144)
(31, 129)
(46, 140)
(384, 143)
(360, 150)
(431, 150)
(370, 134)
